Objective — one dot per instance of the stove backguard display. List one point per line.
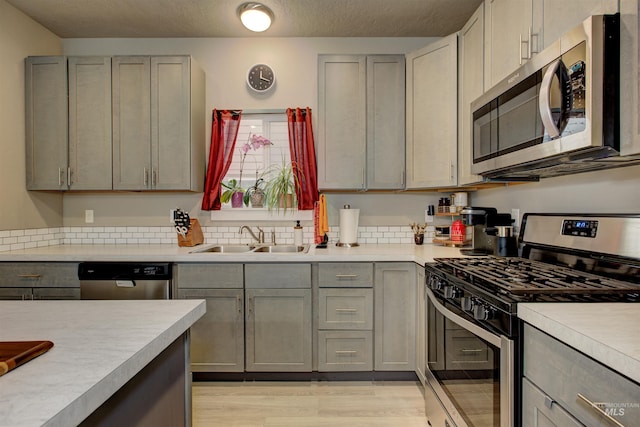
(580, 227)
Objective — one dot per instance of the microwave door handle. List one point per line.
(544, 101)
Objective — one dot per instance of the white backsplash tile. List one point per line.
(31, 238)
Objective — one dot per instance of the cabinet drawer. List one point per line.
(540, 410)
(211, 276)
(563, 373)
(56, 293)
(345, 308)
(345, 274)
(15, 294)
(345, 351)
(39, 274)
(277, 276)
(463, 350)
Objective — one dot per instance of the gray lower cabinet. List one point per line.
(345, 317)
(562, 384)
(39, 280)
(217, 339)
(278, 317)
(395, 316)
(421, 325)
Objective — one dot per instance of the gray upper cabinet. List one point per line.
(361, 122)
(46, 122)
(471, 84)
(90, 123)
(158, 123)
(432, 122)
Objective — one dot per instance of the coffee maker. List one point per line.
(491, 232)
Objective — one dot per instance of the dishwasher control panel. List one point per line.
(124, 270)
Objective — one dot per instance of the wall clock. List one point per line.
(261, 78)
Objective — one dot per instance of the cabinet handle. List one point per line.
(250, 306)
(345, 352)
(451, 172)
(69, 176)
(60, 177)
(146, 177)
(471, 350)
(597, 407)
(29, 276)
(153, 178)
(346, 276)
(239, 304)
(347, 310)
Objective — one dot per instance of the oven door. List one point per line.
(470, 371)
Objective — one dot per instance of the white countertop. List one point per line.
(607, 332)
(98, 347)
(173, 253)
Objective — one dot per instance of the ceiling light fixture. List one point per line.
(255, 16)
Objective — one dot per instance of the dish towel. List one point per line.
(320, 219)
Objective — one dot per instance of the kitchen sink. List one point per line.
(235, 249)
(258, 249)
(281, 249)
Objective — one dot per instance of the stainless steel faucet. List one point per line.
(259, 238)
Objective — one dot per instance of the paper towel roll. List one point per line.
(349, 227)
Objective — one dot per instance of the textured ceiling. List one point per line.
(217, 18)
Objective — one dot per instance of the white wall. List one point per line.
(20, 37)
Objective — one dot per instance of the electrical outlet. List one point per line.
(515, 215)
(172, 216)
(88, 216)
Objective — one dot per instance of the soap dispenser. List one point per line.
(297, 234)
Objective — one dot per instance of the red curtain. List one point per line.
(224, 131)
(303, 156)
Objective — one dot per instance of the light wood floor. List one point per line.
(313, 403)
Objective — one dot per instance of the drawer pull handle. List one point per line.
(29, 276)
(346, 276)
(346, 310)
(597, 407)
(346, 352)
(471, 350)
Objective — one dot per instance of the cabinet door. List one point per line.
(539, 410)
(471, 86)
(170, 123)
(90, 123)
(278, 328)
(395, 317)
(46, 122)
(342, 121)
(131, 122)
(16, 294)
(552, 18)
(508, 28)
(217, 338)
(56, 293)
(385, 122)
(432, 117)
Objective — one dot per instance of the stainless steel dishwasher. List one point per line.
(124, 280)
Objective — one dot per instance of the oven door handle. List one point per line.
(471, 327)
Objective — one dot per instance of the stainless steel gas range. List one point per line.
(473, 346)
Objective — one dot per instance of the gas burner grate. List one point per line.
(519, 276)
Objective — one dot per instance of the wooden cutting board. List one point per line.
(16, 353)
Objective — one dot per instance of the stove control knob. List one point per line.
(467, 304)
(482, 312)
(436, 283)
(451, 292)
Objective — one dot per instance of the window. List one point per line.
(271, 126)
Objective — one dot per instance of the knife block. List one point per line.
(194, 235)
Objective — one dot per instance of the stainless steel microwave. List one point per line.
(557, 114)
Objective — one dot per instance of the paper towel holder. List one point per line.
(347, 244)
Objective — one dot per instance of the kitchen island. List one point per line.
(122, 362)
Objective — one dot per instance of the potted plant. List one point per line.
(233, 193)
(255, 194)
(281, 186)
